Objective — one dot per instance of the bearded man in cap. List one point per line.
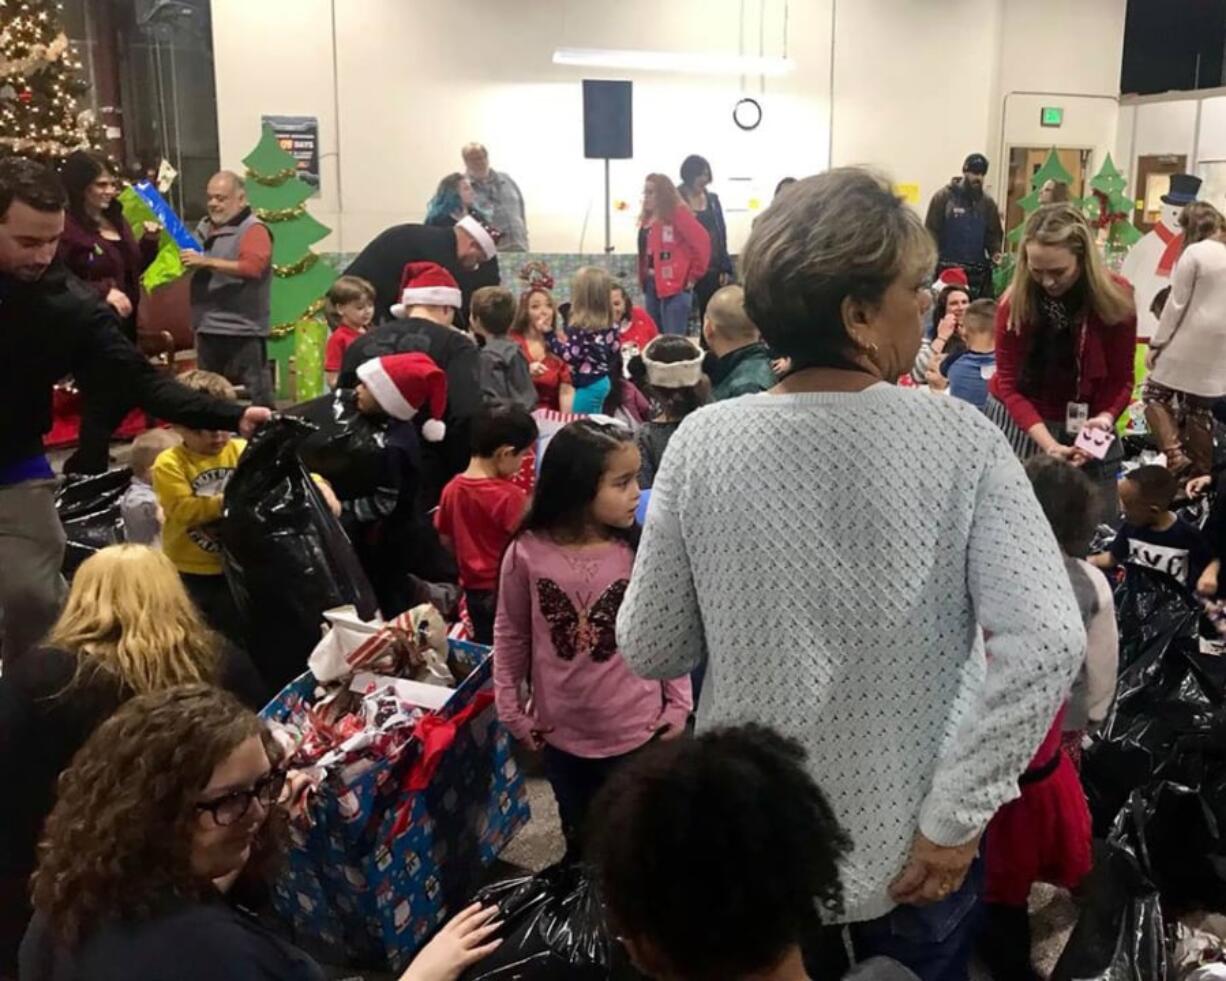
(965, 223)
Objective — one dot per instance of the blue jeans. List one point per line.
(934, 942)
(671, 314)
(590, 398)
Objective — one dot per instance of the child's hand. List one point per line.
(669, 731)
(1206, 585)
(329, 496)
(536, 738)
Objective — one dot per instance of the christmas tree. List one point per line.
(1110, 208)
(1052, 170)
(40, 84)
(300, 276)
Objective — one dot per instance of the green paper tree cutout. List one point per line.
(1110, 184)
(1052, 170)
(300, 276)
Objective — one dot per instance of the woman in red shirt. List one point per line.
(1066, 334)
(674, 253)
(536, 317)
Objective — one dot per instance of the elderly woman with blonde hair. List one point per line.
(128, 628)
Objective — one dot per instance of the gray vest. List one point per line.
(225, 304)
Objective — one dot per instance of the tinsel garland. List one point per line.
(277, 331)
(271, 180)
(296, 268)
(284, 214)
(39, 56)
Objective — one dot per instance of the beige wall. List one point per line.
(918, 84)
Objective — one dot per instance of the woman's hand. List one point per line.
(120, 303)
(536, 368)
(933, 871)
(947, 327)
(1198, 485)
(459, 945)
(1104, 421)
(152, 229)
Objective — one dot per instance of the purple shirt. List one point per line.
(591, 354)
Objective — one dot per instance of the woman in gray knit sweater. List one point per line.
(862, 567)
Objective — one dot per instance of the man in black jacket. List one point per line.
(52, 326)
(425, 309)
(466, 250)
(965, 224)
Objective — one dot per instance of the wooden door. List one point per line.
(1154, 180)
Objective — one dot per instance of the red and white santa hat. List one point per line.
(426, 284)
(403, 384)
(481, 234)
(953, 276)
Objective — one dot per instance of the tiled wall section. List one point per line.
(562, 266)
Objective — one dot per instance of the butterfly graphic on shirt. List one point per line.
(591, 629)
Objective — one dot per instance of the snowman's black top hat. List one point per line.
(1184, 188)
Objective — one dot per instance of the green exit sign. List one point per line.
(1051, 116)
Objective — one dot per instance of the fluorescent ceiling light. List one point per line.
(693, 63)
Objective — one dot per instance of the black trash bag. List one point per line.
(554, 929)
(1167, 713)
(347, 448)
(286, 557)
(88, 507)
(1120, 932)
(1183, 841)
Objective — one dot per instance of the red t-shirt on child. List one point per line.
(338, 343)
(479, 516)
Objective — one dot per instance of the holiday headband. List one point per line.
(479, 232)
(674, 374)
(536, 275)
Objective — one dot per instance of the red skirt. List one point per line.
(1043, 836)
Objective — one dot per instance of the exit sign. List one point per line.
(1051, 116)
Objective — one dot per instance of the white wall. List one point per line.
(414, 82)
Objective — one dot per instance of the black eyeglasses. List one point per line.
(233, 807)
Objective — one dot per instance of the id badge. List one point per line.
(1076, 416)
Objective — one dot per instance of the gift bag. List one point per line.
(286, 557)
(89, 511)
(390, 849)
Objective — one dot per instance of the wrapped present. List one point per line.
(398, 832)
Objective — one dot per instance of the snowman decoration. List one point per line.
(1151, 261)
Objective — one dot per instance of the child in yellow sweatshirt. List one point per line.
(189, 481)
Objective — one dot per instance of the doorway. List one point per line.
(1154, 180)
(1026, 161)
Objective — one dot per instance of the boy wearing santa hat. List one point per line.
(425, 310)
(398, 396)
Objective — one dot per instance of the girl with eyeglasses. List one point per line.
(155, 852)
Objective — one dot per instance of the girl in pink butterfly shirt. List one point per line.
(560, 683)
